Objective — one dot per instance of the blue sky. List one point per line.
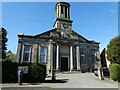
(96, 21)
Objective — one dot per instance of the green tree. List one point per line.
(3, 41)
(11, 56)
(113, 50)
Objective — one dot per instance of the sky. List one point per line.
(96, 21)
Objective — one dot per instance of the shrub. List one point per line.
(115, 72)
(9, 72)
(113, 50)
(36, 72)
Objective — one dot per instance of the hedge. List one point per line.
(115, 72)
(36, 72)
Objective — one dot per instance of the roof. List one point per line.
(64, 3)
(2, 29)
(57, 34)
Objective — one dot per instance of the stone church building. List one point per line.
(60, 48)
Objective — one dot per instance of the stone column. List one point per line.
(78, 57)
(59, 11)
(39, 53)
(48, 59)
(71, 58)
(67, 13)
(34, 53)
(64, 12)
(19, 52)
(22, 53)
(51, 56)
(57, 58)
(51, 62)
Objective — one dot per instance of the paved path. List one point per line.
(82, 80)
(74, 80)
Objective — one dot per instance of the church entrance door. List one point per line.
(64, 63)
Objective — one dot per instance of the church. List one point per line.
(60, 48)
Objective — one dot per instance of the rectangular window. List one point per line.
(27, 53)
(43, 54)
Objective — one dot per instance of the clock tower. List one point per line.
(63, 22)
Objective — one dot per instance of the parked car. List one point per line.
(105, 71)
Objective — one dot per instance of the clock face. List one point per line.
(65, 25)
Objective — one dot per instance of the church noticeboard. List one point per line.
(25, 68)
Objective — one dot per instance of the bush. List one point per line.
(9, 72)
(36, 72)
(113, 50)
(115, 72)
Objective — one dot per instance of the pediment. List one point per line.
(60, 35)
(70, 34)
(54, 33)
(77, 36)
(44, 34)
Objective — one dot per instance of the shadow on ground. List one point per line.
(35, 83)
(57, 81)
(26, 88)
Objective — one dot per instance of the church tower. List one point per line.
(63, 22)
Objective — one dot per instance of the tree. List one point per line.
(113, 50)
(11, 56)
(3, 41)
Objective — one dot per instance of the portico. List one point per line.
(73, 56)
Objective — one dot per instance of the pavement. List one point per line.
(67, 80)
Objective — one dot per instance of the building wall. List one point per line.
(81, 53)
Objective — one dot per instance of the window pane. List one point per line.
(43, 54)
(27, 53)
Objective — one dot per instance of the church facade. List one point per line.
(60, 48)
